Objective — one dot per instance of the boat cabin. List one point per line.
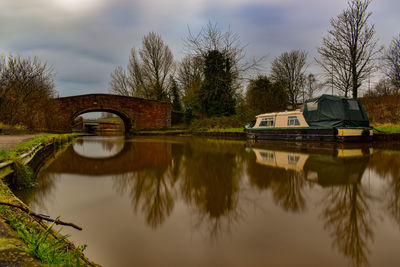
(281, 120)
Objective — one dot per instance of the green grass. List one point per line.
(163, 132)
(18, 127)
(43, 245)
(113, 119)
(387, 128)
(226, 130)
(211, 130)
(23, 176)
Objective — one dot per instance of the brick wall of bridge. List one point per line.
(137, 113)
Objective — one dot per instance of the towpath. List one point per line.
(9, 142)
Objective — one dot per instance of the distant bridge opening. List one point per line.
(99, 122)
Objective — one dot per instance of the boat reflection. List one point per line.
(327, 165)
(346, 213)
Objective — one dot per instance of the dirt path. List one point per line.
(9, 142)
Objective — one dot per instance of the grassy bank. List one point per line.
(41, 240)
(27, 146)
(387, 128)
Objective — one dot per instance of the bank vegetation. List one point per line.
(42, 241)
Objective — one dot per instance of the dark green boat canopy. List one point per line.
(335, 111)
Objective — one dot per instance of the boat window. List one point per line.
(353, 105)
(267, 156)
(293, 121)
(268, 121)
(312, 106)
(293, 159)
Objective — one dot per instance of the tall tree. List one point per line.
(289, 69)
(349, 49)
(211, 38)
(189, 77)
(148, 70)
(216, 93)
(392, 60)
(175, 96)
(264, 96)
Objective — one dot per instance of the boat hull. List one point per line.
(310, 134)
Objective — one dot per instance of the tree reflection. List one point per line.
(348, 216)
(387, 166)
(151, 189)
(394, 203)
(210, 182)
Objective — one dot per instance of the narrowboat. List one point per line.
(326, 118)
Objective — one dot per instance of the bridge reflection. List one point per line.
(99, 147)
(131, 156)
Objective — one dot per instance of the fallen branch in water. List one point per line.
(40, 216)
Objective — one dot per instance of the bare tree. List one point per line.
(119, 82)
(189, 71)
(392, 60)
(211, 38)
(26, 85)
(311, 86)
(384, 87)
(148, 70)
(349, 49)
(289, 69)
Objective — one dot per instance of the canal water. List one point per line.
(190, 201)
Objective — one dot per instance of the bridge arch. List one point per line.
(125, 117)
(136, 113)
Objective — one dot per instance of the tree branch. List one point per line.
(42, 217)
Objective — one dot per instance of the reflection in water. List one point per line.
(387, 166)
(348, 217)
(210, 182)
(151, 189)
(99, 147)
(207, 179)
(346, 213)
(274, 170)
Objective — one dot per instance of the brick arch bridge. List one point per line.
(136, 113)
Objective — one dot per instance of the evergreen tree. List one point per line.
(175, 97)
(216, 93)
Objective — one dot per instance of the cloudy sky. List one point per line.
(84, 40)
